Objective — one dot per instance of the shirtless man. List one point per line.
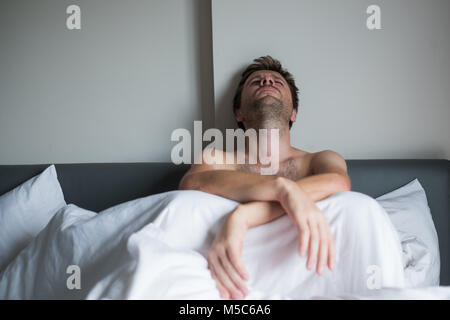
(267, 98)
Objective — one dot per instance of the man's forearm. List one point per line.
(321, 186)
(245, 187)
(257, 213)
(317, 188)
(234, 185)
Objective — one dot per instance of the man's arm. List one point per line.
(329, 175)
(224, 180)
(234, 185)
(327, 166)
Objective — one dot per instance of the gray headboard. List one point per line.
(97, 186)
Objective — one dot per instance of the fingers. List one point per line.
(315, 235)
(323, 250)
(227, 277)
(224, 278)
(224, 284)
(222, 290)
(313, 244)
(330, 259)
(234, 276)
(303, 236)
(331, 254)
(235, 260)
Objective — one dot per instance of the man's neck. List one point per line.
(283, 139)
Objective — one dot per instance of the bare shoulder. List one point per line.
(301, 154)
(215, 159)
(310, 163)
(326, 154)
(327, 160)
(211, 160)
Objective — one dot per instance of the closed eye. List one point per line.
(257, 81)
(278, 80)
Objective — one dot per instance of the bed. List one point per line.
(98, 186)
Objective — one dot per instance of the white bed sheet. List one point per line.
(125, 253)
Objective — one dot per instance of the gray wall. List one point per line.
(366, 94)
(111, 92)
(116, 89)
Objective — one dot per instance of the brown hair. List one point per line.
(265, 63)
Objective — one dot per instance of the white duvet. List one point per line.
(156, 247)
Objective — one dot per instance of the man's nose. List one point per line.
(267, 81)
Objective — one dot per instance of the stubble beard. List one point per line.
(268, 113)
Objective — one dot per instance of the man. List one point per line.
(267, 98)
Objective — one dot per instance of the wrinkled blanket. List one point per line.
(156, 247)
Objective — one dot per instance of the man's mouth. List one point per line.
(267, 89)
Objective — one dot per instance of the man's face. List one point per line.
(266, 101)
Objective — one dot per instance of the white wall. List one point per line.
(116, 89)
(366, 94)
(111, 92)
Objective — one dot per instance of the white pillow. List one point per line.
(26, 210)
(410, 214)
(95, 243)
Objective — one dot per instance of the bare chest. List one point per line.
(293, 169)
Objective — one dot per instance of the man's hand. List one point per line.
(224, 258)
(314, 232)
